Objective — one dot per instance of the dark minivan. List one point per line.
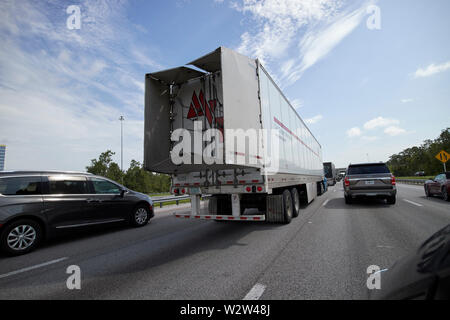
(38, 205)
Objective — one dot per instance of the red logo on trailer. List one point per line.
(200, 107)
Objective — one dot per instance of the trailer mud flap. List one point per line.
(274, 211)
(212, 205)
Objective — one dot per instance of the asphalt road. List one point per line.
(322, 254)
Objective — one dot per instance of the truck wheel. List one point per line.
(20, 237)
(287, 206)
(295, 202)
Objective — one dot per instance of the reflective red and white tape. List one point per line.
(216, 217)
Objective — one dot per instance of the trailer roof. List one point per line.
(176, 75)
(210, 62)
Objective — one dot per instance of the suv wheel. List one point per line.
(287, 205)
(140, 216)
(391, 200)
(20, 237)
(445, 194)
(348, 199)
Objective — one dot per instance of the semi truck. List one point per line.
(330, 173)
(222, 127)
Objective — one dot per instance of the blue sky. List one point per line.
(366, 93)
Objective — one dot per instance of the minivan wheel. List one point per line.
(20, 237)
(427, 191)
(140, 216)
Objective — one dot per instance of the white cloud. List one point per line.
(407, 100)
(432, 69)
(62, 103)
(295, 35)
(317, 44)
(278, 24)
(354, 132)
(314, 119)
(379, 122)
(369, 138)
(296, 103)
(394, 131)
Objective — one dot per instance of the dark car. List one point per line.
(369, 180)
(419, 173)
(439, 186)
(38, 205)
(424, 274)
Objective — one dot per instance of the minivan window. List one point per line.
(68, 185)
(368, 169)
(104, 187)
(20, 186)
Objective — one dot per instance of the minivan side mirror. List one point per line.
(122, 192)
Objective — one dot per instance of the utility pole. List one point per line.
(121, 144)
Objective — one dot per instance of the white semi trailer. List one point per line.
(244, 144)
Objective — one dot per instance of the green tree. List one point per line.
(421, 158)
(105, 167)
(135, 178)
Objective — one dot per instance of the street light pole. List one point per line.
(121, 144)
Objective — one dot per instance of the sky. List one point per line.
(370, 78)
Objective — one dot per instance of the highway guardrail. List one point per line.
(177, 199)
(412, 181)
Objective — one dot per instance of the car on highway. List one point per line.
(369, 180)
(419, 173)
(36, 205)
(439, 186)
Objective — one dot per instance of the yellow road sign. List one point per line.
(443, 156)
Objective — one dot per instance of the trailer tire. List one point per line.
(295, 202)
(287, 207)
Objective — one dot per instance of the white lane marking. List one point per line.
(256, 292)
(12, 273)
(414, 203)
(325, 203)
(385, 247)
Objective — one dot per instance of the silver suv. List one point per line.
(369, 180)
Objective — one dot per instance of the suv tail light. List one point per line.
(347, 182)
(393, 180)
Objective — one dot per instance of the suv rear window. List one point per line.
(16, 186)
(368, 169)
